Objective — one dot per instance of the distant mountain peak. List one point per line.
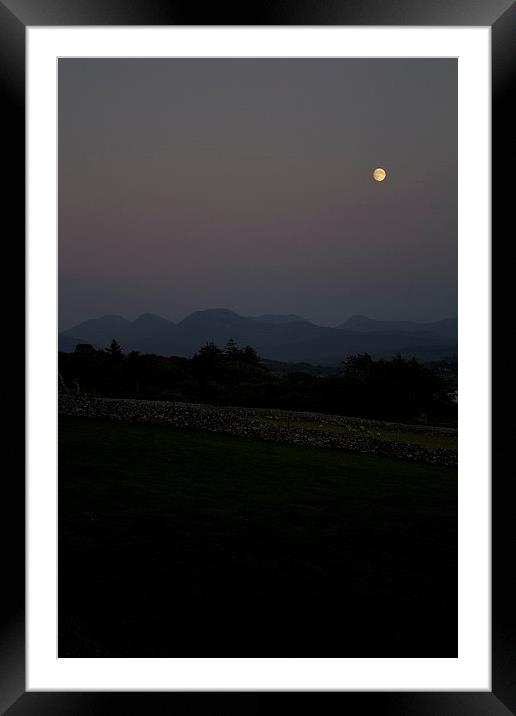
(219, 311)
(211, 315)
(111, 317)
(108, 320)
(278, 319)
(150, 317)
(213, 312)
(144, 316)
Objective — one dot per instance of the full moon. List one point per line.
(379, 174)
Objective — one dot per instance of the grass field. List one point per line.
(182, 543)
(404, 434)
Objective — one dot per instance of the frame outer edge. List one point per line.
(503, 533)
(12, 626)
(286, 12)
(12, 68)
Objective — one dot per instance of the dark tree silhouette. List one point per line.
(231, 349)
(249, 355)
(208, 351)
(114, 349)
(396, 389)
(358, 366)
(85, 349)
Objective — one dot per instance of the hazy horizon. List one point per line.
(245, 184)
(133, 317)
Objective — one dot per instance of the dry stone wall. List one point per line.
(260, 425)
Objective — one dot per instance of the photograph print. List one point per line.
(257, 357)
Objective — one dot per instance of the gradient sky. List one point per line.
(246, 184)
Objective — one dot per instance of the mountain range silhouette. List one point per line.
(288, 338)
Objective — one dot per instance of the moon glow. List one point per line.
(379, 174)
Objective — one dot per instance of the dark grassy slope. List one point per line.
(178, 543)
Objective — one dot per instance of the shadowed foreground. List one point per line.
(183, 543)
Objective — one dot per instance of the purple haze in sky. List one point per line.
(246, 184)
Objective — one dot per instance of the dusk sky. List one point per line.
(246, 184)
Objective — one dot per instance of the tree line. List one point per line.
(396, 389)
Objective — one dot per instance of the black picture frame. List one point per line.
(15, 16)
